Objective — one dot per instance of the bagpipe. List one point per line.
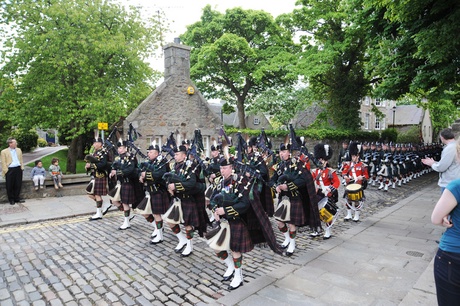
(240, 166)
(304, 155)
(196, 149)
(264, 144)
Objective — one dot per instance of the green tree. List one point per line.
(282, 104)
(72, 64)
(333, 56)
(414, 49)
(238, 55)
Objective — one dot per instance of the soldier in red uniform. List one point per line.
(327, 183)
(356, 177)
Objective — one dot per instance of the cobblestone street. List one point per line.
(76, 262)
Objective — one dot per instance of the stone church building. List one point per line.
(176, 106)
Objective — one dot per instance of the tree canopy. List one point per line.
(238, 55)
(333, 57)
(72, 64)
(415, 50)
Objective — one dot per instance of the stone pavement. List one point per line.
(51, 255)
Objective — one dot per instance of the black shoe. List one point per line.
(180, 249)
(106, 210)
(157, 242)
(11, 202)
(233, 288)
(20, 201)
(227, 278)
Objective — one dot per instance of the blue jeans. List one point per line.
(447, 277)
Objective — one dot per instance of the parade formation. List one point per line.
(230, 199)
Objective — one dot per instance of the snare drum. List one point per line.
(354, 192)
(327, 210)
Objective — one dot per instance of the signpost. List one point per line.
(102, 126)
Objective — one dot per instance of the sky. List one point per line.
(181, 13)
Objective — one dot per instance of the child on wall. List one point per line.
(56, 173)
(38, 175)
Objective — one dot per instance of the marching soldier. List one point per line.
(256, 161)
(295, 188)
(343, 154)
(182, 186)
(213, 169)
(97, 163)
(327, 182)
(230, 202)
(355, 175)
(151, 176)
(212, 172)
(124, 169)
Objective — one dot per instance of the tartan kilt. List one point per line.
(189, 211)
(159, 202)
(240, 240)
(298, 217)
(127, 193)
(266, 198)
(100, 186)
(200, 202)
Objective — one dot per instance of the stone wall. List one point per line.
(74, 184)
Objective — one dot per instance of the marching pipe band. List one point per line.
(178, 184)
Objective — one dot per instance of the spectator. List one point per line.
(12, 170)
(38, 175)
(56, 173)
(447, 259)
(447, 166)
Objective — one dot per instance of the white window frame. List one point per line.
(377, 124)
(367, 120)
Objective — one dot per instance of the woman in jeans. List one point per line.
(447, 260)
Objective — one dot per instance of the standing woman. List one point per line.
(447, 260)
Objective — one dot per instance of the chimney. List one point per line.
(177, 60)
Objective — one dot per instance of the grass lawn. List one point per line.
(62, 156)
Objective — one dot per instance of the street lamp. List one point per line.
(394, 111)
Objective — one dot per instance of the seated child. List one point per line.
(38, 175)
(56, 173)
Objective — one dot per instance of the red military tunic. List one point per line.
(353, 170)
(329, 179)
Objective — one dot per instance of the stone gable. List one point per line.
(171, 108)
